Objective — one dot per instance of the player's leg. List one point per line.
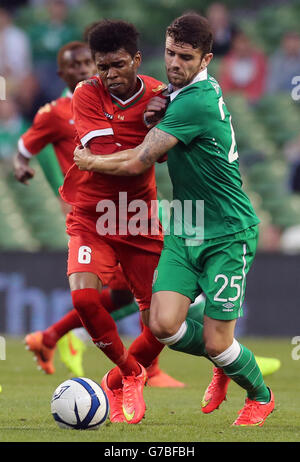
(103, 331)
(157, 377)
(239, 364)
(146, 347)
(97, 255)
(227, 264)
(267, 365)
(71, 346)
(175, 287)
(43, 343)
(85, 288)
(138, 260)
(118, 297)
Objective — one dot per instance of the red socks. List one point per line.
(145, 349)
(70, 321)
(153, 369)
(106, 300)
(103, 329)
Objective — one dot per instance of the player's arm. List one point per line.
(22, 170)
(41, 133)
(155, 111)
(131, 161)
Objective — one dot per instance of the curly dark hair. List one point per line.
(108, 36)
(194, 29)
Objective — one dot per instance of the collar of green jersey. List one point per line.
(201, 76)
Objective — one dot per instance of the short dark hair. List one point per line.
(68, 47)
(108, 36)
(194, 29)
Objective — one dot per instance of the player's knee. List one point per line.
(162, 328)
(85, 300)
(215, 347)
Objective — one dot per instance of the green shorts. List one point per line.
(218, 267)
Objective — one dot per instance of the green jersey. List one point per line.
(204, 165)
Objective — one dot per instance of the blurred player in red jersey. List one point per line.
(54, 124)
(108, 114)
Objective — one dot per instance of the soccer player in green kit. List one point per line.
(197, 133)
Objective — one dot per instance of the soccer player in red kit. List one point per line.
(108, 114)
(54, 124)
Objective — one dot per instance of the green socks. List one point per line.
(244, 371)
(191, 341)
(189, 338)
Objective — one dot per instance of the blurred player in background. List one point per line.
(197, 133)
(54, 124)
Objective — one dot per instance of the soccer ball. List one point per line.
(79, 404)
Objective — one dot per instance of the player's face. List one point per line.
(183, 62)
(118, 72)
(77, 66)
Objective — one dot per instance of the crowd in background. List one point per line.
(28, 56)
(29, 45)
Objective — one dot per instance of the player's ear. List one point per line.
(137, 59)
(207, 59)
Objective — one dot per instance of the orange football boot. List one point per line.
(134, 406)
(115, 399)
(254, 413)
(216, 391)
(43, 354)
(158, 378)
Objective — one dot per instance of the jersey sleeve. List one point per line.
(42, 132)
(89, 113)
(185, 117)
(51, 168)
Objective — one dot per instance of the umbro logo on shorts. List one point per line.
(228, 305)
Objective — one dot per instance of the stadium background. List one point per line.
(33, 285)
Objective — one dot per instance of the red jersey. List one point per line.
(53, 124)
(97, 113)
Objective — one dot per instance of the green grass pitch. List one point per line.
(173, 415)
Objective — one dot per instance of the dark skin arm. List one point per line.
(131, 161)
(155, 111)
(22, 170)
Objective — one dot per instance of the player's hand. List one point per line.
(22, 170)
(155, 111)
(82, 157)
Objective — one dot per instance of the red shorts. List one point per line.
(118, 280)
(138, 257)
